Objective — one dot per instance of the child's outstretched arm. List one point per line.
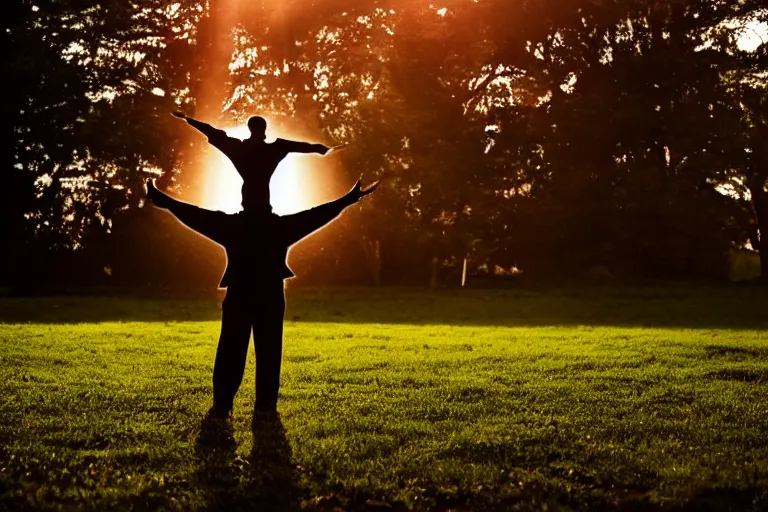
(292, 146)
(205, 128)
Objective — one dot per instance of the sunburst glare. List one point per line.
(290, 188)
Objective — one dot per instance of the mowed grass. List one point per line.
(404, 400)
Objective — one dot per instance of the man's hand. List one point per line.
(179, 114)
(358, 191)
(369, 189)
(336, 148)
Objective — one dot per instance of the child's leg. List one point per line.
(211, 224)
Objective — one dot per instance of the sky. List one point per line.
(755, 33)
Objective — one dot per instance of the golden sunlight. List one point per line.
(291, 188)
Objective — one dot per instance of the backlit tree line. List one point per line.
(548, 137)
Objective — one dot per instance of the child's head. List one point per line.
(258, 127)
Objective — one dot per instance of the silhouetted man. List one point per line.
(257, 247)
(254, 158)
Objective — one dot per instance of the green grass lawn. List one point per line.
(458, 400)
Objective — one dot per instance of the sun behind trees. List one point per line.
(294, 187)
(530, 135)
(528, 146)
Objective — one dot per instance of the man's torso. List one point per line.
(256, 252)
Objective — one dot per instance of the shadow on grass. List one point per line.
(266, 480)
(731, 307)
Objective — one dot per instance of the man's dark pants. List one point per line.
(262, 311)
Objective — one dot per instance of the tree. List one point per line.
(625, 101)
(91, 80)
(548, 135)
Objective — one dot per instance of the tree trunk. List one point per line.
(760, 202)
(11, 207)
(219, 45)
(372, 249)
(215, 50)
(434, 278)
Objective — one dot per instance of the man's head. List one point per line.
(258, 127)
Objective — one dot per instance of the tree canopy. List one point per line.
(546, 136)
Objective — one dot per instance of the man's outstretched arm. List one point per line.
(299, 225)
(205, 128)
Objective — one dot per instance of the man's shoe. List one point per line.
(216, 431)
(218, 414)
(264, 418)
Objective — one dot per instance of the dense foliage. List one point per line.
(547, 136)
